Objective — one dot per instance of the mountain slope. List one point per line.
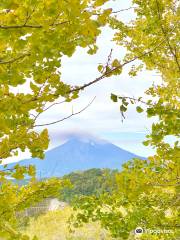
(79, 154)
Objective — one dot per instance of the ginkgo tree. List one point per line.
(147, 197)
(34, 36)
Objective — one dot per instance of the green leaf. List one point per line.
(139, 109)
(114, 97)
(123, 108)
(116, 63)
(100, 68)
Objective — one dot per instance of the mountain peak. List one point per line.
(88, 139)
(78, 153)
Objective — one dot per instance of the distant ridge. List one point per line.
(77, 154)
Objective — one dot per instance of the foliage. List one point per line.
(15, 199)
(89, 182)
(148, 192)
(140, 201)
(34, 37)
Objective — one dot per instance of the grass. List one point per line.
(53, 226)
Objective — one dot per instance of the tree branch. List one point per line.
(111, 71)
(56, 103)
(31, 26)
(138, 100)
(29, 15)
(104, 75)
(62, 119)
(118, 11)
(15, 59)
(123, 10)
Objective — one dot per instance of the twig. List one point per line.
(31, 26)
(29, 15)
(15, 59)
(122, 10)
(137, 100)
(62, 119)
(56, 103)
(118, 11)
(109, 58)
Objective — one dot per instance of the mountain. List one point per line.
(77, 154)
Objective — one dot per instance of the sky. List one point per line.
(102, 118)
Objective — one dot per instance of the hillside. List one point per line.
(90, 182)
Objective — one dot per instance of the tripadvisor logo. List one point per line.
(139, 230)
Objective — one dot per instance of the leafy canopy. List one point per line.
(34, 36)
(148, 191)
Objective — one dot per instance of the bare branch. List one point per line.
(56, 103)
(71, 115)
(118, 11)
(109, 58)
(123, 10)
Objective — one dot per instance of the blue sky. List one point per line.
(102, 118)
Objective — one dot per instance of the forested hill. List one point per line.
(94, 181)
(91, 182)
